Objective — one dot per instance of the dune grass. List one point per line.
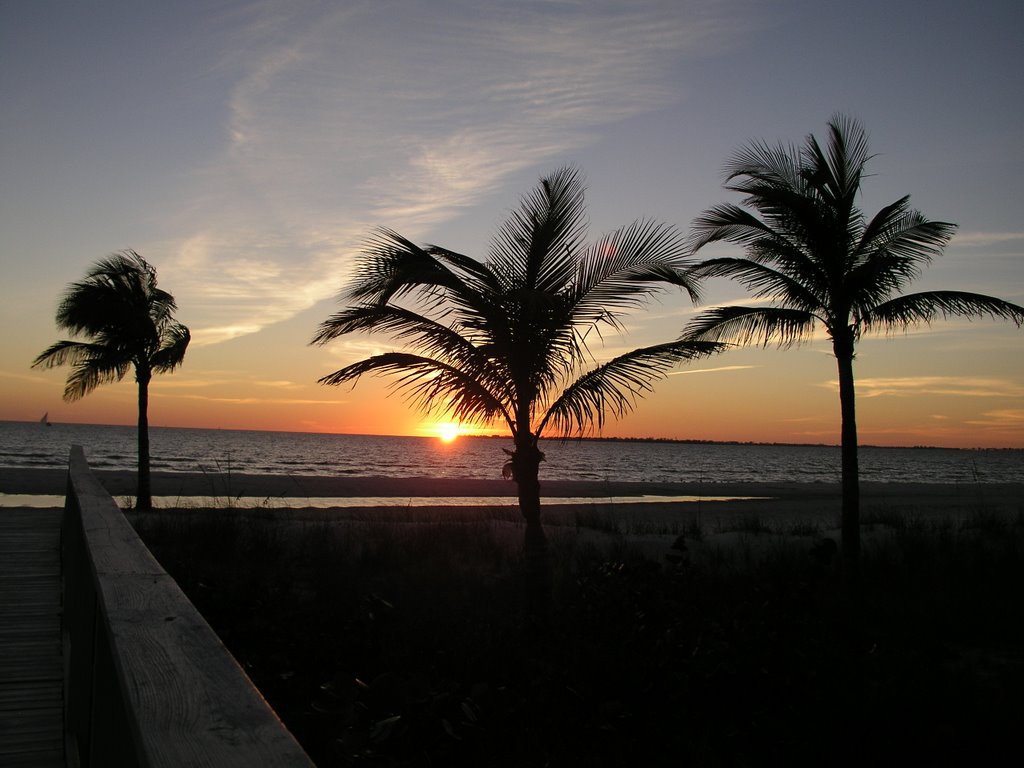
(397, 639)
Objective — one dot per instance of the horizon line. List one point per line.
(553, 438)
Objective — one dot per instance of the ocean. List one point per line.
(34, 445)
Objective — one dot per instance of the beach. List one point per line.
(792, 502)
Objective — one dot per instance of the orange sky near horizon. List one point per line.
(746, 395)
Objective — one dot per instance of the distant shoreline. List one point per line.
(548, 439)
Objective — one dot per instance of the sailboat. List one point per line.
(46, 419)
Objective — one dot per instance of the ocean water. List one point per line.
(28, 444)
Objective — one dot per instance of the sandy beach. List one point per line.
(771, 501)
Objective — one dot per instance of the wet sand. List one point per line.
(795, 501)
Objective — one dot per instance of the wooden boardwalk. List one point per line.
(31, 664)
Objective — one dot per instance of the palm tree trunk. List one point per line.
(526, 470)
(850, 471)
(143, 496)
(537, 567)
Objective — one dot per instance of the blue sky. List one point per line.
(247, 148)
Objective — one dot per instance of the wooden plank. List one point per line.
(30, 647)
(31, 592)
(16, 563)
(25, 591)
(184, 698)
(35, 760)
(27, 646)
(16, 695)
(33, 725)
(42, 752)
(31, 660)
(43, 669)
(192, 696)
(19, 623)
(23, 518)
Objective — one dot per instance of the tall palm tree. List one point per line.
(812, 253)
(506, 340)
(127, 323)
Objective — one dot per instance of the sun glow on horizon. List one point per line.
(447, 431)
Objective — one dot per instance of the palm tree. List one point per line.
(814, 256)
(506, 340)
(128, 323)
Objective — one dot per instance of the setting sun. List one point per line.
(447, 431)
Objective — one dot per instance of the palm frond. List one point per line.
(784, 247)
(613, 388)
(762, 280)
(391, 266)
(538, 246)
(878, 231)
(836, 171)
(466, 266)
(61, 353)
(745, 325)
(760, 164)
(174, 341)
(727, 223)
(915, 308)
(439, 282)
(430, 384)
(621, 271)
(909, 237)
(430, 337)
(89, 374)
(370, 318)
(626, 267)
(92, 365)
(894, 254)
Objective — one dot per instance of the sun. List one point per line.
(447, 431)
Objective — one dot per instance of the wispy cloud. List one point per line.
(982, 239)
(281, 384)
(173, 382)
(712, 370)
(1005, 418)
(35, 378)
(259, 400)
(403, 115)
(955, 386)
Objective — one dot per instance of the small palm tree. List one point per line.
(128, 323)
(507, 339)
(815, 257)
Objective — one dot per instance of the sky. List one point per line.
(247, 149)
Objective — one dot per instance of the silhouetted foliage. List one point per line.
(506, 340)
(812, 254)
(387, 641)
(127, 323)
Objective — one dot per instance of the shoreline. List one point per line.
(772, 499)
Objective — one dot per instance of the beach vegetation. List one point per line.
(508, 340)
(387, 639)
(814, 259)
(125, 323)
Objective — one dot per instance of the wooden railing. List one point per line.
(147, 681)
